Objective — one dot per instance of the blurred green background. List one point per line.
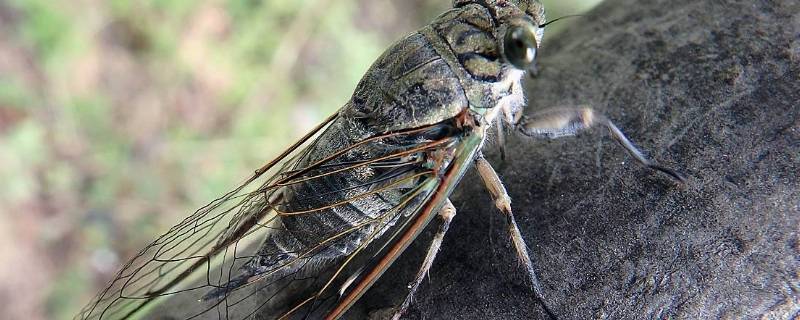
(120, 117)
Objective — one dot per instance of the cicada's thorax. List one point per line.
(439, 71)
(449, 68)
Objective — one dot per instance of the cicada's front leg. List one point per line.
(503, 202)
(560, 122)
(446, 215)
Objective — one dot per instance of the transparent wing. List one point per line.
(294, 239)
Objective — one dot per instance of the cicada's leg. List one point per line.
(503, 202)
(561, 122)
(501, 138)
(446, 215)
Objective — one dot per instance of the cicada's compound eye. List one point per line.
(519, 45)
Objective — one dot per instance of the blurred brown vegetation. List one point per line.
(118, 118)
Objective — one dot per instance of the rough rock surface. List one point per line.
(710, 88)
(707, 87)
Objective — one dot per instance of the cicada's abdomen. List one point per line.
(410, 86)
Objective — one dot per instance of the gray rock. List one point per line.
(706, 87)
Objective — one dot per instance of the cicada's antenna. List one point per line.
(532, 70)
(560, 18)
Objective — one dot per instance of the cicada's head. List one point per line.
(520, 28)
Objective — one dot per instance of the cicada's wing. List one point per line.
(174, 264)
(211, 265)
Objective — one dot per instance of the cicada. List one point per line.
(312, 230)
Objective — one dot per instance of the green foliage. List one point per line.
(44, 26)
(61, 298)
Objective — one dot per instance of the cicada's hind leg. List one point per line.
(560, 122)
(446, 215)
(503, 202)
